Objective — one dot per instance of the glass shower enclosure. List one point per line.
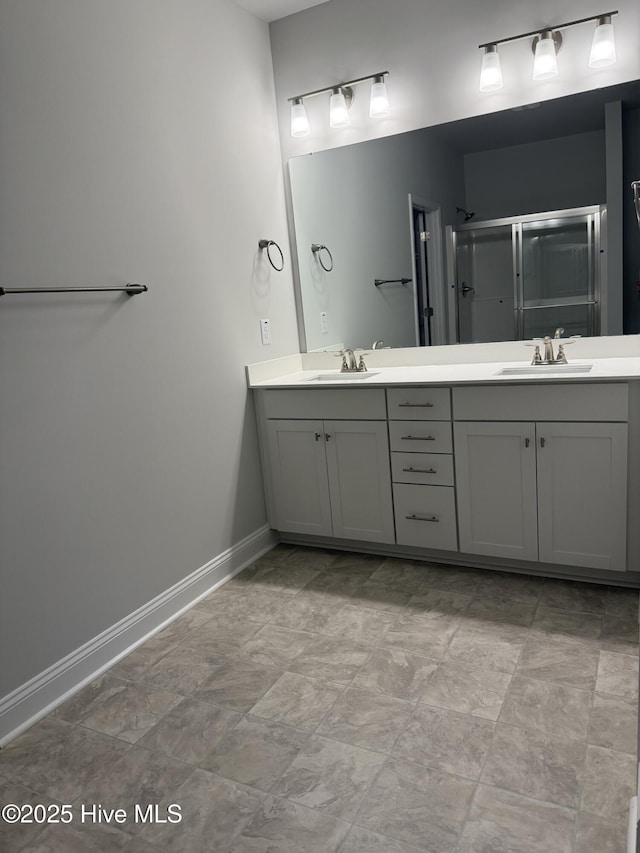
(525, 276)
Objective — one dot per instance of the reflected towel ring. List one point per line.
(316, 248)
(267, 244)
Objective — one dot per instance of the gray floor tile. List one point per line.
(421, 635)
(404, 575)
(297, 700)
(276, 647)
(331, 658)
(191, 731)
(237, 684)
(525, 589)
(575, 595)
(359, 624)
(598, 834)
(417, 805)
(465, 688)
(396, 673)
(281, 826)
(553, 624)
(79, 838)
(510, 823)
(614, 723)
(486, 648)
(536, 765)
(214, 813)
(257, 752)
(361, 840)
(454, 579)
(330, 777)
(610, 782)
(617, 675)
(366, 719)
(550, 708)
(181, 670)
(445, 740)
(572, 664)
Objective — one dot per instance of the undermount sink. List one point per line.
(338, 376)
(544, 370)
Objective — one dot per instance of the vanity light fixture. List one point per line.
(545, 46)
(342, 96)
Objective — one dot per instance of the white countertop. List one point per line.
(603, 369)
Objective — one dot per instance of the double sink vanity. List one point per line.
(489, 462)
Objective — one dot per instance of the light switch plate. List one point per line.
(324, 323)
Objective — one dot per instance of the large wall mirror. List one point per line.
(405, 238)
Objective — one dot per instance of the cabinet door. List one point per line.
(360, 480)
(496, 489)
(582, 494)
(299, 476)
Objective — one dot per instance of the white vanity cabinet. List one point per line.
(422, 467)
(329, 475)
(552, 491)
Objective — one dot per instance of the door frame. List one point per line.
(435, 297)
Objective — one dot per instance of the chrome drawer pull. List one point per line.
(415, 405)
(415, 517)
(417, 438)
(420, 470)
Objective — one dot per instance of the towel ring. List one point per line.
(267, 244)
(316, 248)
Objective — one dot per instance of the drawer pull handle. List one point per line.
(415, 405)
(419, 470)
(415, 517)
(417, 438)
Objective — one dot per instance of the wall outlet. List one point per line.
(324, 323)
(265, 332)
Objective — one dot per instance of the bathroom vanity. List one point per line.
(462, 464)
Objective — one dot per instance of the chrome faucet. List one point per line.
(549, 357)
(349, 363)
(377, 344)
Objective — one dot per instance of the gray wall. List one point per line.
(355, 200)
(539, 176)
(431, 52)
(138, 143)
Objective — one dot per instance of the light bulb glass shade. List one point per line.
(603, 46)
(545, 63)
(299, 122)
(379, 99)
(338, 111)
(491, 70)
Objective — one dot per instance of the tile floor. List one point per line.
(323, 702)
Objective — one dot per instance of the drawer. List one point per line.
(412, 437)
(591, 401)
(419, 404)
(428, 469)
(325, 403)
(426, 516)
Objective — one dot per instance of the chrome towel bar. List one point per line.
(130, 289)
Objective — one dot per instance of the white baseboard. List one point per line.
(41, 694)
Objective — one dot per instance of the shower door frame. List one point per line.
(596, 216)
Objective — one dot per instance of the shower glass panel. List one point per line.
(485, 284)
(558, 276)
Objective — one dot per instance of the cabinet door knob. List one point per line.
(318, 436)
(542, 442)
(527, 442)
(327, 436)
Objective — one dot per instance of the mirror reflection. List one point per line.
(500, 227)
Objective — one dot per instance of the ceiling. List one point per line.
(271, 10)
